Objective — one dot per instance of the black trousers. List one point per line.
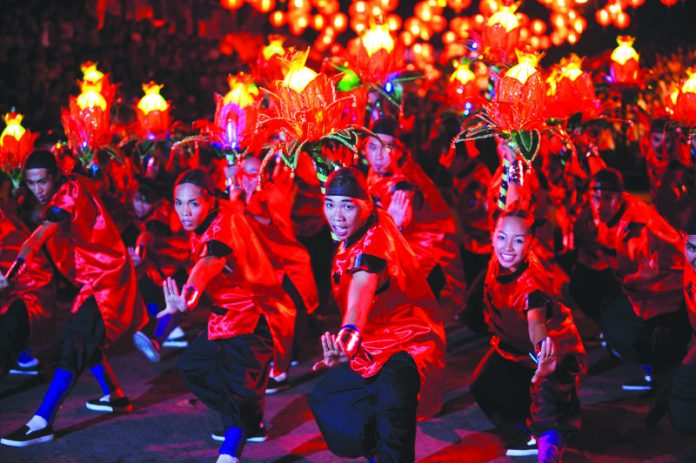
(660, 341)
(14, 333)
(373, 417)
(82, 339)
(503, 390)
(230, 375)
(681, 398)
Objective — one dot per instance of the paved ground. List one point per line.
(167, 427)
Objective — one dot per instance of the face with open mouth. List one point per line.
(345, 215)
(511, 241)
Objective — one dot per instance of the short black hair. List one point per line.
(608, 179)
(347, 181)
(198, 177)
(41, 159)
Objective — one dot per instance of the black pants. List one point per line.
(503, 390)
(230, 375)
(376, 416)
(660, 341)
(82, 339)
(682, 394)
(14, 333)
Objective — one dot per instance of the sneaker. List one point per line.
(147, 346)
(176, 339)
(23, 437)
(643, 384)
(27, 365)
(277, 384)
(106, 404)
(523, 448)
(260, 435)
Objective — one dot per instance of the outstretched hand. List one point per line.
(400, 208)
(333, 353)
(546, 360)
(174, 300)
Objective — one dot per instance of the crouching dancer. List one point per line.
(227, 365)
(84, 245)
(386, 362)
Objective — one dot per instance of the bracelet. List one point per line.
(349, 340)
(191, 296)
(516, 173)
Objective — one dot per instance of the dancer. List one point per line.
(386, 361)
(227, 365)
(647, 322)
(533, 368)
(85, 248)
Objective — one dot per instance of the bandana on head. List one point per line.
(347, 181)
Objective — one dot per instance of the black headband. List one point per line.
(347, 181)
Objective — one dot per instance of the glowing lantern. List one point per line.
(685, 109)
(236, 114)
(298, 75)
(458, 5)
(377, 38)
(153, 111)
(277, 19)
(602, 16)
(574, 89)
(624, 61)
(461, 86)
(232, 4)
(92, 75)
(501, 33)
(669, 2)
(622, 20)
(16, 143)
(275, 47)
(520, 96)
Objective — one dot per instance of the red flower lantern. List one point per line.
(461, 85)
(572, 91)
(519, 96)
(377, 55)
(501, 34)
(16, 143)
(685, 108)
(624, 61)
(153, 112)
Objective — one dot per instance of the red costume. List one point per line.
(34, 285)
(404, 314)
(163, 243)
(271, 211)
(644, 253)
(690, 294)
(431, 232)
(247, 288)
(88, 251)
(508, 297)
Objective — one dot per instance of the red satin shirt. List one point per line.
(89, 252)
(247, 287)
(645, 254)
(509, 296)
(404, 315)
(690, 294)
(34, 285)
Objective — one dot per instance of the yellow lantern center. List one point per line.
(298, 75)
(14, 127)
(625, 51)
(504, 17)
(525, 68)
(241, 93)
(90, 99)
(377, 38)
(275, 47)
(462, 74)
(152, 101)
(690, 84)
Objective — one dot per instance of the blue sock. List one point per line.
(550, 447)
(647, 368)
(152, 308)
(57, 391)
(98, 372)
(233, 439)
(163, 327)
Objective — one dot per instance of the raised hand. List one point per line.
(546, 359)
(174, 300)
(400, 208)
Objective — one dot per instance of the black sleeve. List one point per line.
(56, 214)
(217, 248)
(537, 299)
(369, 263)
(158, 228)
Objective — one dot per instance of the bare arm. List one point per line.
(37, 239)
(361, 292)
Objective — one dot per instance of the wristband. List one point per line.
(349, 340)
(191, 296)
